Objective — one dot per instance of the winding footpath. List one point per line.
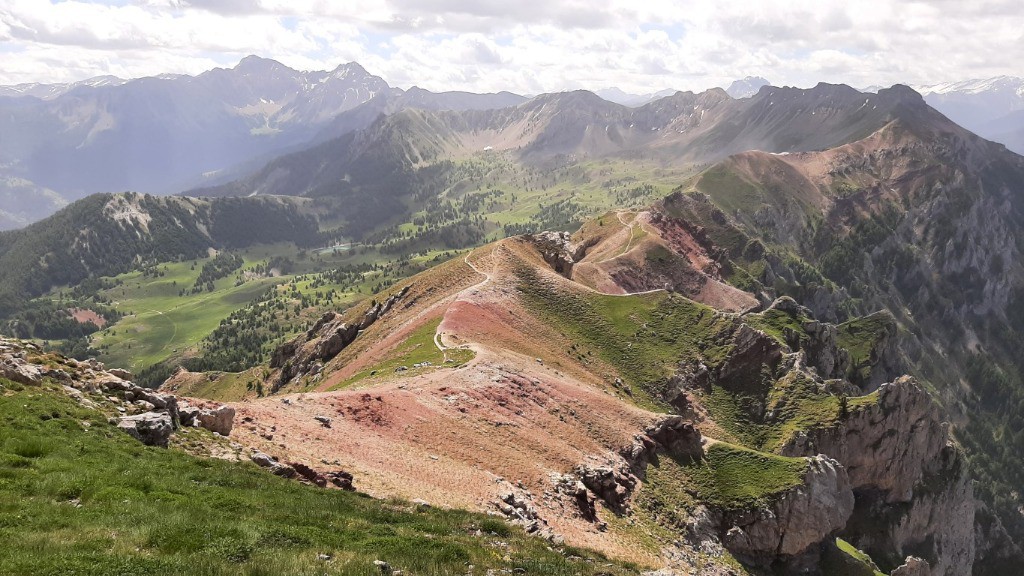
(487, 278)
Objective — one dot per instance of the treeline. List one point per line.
(561, 215)
(54, 321)
(221, 266)
(108, 234)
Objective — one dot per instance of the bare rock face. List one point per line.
(799, 519)
(937, 524)
(306, 354)
(822, 349)
(15, 368)
(817, 340)
(884, 363)
(220, 420)
(753, 350)
(913, 567)
(558, 250)
(150, 428)
(884, 446)
(912, 486)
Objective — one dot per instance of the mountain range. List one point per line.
(768, 330)
(59, 143)
(172, 132)
(993, 108)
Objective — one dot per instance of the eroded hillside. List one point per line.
(613, 389)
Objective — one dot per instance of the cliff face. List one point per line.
(913, 491)
(797, 520)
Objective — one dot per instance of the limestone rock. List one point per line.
(886, 445)
(799, 518)
(219, 420)
(558, 250)
(913, 566)
(891, 449)
(17, 369)
(150, 428)
(307, 353)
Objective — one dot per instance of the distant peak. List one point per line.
(746, 87)
(902, 92)
(253, 62)
(349, 69)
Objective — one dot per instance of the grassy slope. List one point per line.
(643, 336)
(736, 477)
(165, 323)
(847, 560)
(79, 497)
(418, 348)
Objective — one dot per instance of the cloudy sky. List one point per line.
(528, 46)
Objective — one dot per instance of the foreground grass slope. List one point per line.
(79, 497)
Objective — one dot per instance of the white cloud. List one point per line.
(530, 47)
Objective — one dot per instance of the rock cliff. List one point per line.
(797, 520)
(914, 494)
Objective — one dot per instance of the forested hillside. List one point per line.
(107, 234)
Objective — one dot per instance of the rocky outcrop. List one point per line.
(303, 472)
(215, 418)
(306, 354)
(817, 340)
(673, 435)
(884, 445)
(613, 485)
(614, 480)
(145, 414)
(14, 368)
(797, 520)
(219, 420)
(753, 351)
(821, 348)
(913, 491)
(558, 250)
(913, 566)
(883, 362)
(150, 428)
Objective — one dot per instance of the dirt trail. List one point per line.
(439, 334)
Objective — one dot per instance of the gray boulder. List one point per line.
(150, 428)
(220, 420)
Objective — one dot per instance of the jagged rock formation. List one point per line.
(146, 415)
(558, 250)
(904, 470)
(797, 520)
(306, 354)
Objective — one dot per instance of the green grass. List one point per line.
(418, 348)
(79, 497)
(163, 323)
(775, 323)
(859, 336)
(846, 560)
(791, 404)
(733, 477)
(644, 337)
(730, 191)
